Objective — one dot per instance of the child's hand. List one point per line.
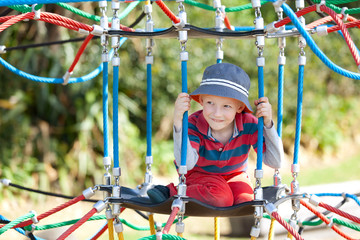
(263, 109)
(182, 104)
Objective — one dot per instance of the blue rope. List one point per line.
(280, 100)
(115, 115)
(218, 60)
(148, 109)
(261, 121)
(105, 108)
(289, 12)
(19, 230)
(31, 77)
(354, 197)
(298, 113)
(185, 117)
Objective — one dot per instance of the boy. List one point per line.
(220, 137)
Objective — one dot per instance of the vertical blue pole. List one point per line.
(280, 100)
(105, 108)
(148, 109)
(185, 117)
(116, 114)
(261, 121)
(298, 114)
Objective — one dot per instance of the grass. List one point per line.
(340, 171)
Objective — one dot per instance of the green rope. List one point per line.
(15, 222)
(337, 9)
(164, 236)
(230, 9)
(318, 222)
(81, 13)
(99, 217)
(65, 223)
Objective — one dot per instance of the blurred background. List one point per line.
(51, 136)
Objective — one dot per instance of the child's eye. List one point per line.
(209, 102)
(227, 106)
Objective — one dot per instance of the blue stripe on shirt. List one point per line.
(216, 169)
(215, 155)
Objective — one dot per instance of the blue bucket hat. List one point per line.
(225, 80)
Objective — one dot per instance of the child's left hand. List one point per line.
(263, 109)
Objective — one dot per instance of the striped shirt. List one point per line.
(208, 155)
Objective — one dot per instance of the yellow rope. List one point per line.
(152, 224)
(271, 231)
(289, 236)
(217, 228)
(253, 238)
(121, 236)
(111, 228)
(179, 234)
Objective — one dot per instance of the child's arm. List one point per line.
(274, 153)
(182, 104)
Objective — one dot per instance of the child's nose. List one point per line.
(217, 111)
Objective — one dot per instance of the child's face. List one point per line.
(220, 112)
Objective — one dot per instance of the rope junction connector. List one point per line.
(37, 12)
(97, 30)
(2, 49)
(88, 193)
(322, 30)
(66, 77)
(270, 208)
(345, 15)
(277, 5)
(99, 206)
(34, 218)
(314, 200)
(118, 227)
(5, 182)
(318, 6)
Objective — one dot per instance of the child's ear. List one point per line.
(201, 100)
(241, 108)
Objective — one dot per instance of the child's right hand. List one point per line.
(182, 104)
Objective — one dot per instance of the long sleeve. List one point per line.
(274, 154)
(192, 155)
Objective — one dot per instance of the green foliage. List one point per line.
(52, 135)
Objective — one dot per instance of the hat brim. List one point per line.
(221, 92)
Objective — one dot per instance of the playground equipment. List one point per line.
(117, 197)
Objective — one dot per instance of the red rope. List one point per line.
(286, 225)
(347, 25)
(102, 230)
(16, 19)
(80, 52)
(54, 210)
(170, 220)
(345, 32)
(67, 20)
(167, 11)
(339, 212)
(227, 23)
(298, 13)
(125, 28)
(5, 18)
(59, 23)
(77, 224)
(324, 219)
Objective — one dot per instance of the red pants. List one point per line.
(218, 191)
